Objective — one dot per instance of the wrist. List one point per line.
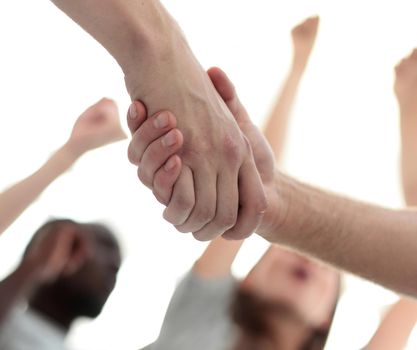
(299, 65)
(68, 154)
(162, 54)
(277, 219)
(28, 275)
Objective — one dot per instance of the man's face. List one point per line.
(89, 288)
(308, 288)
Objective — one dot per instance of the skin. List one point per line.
(397, 325)
(98, 126)
(70, 261)
(50, 257)
(219, 189)
(92, 281)
(303, 39)
(280, 276)
(331, 227)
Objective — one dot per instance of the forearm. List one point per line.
(409, 156)
(218, 258)
(376, 243)
(131, 30)
(15, 200)
(396, 327)
(15, 288)
(277, 124)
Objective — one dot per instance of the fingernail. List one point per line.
(161, 121)
(170, 164)
(133, 113)
(169, 139)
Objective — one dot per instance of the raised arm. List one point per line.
(161, 71)
(303, 37)
(97, 126)
(374, 242)
(406, 92)
(395, 329)
(49, 256)
(398, 323)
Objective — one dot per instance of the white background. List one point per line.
(344, 136)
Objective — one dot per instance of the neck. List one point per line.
(54, 309)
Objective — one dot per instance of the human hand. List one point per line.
(98, 126)
(303, 37)
(219, 189)
(53, 254)
(405, 86)
(165, 164)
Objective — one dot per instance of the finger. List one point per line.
(165, 178)
(61, 251)
(226, 209)
(136, 115)
(252, 203)
(182, 200)
(152, 129)
(205, 186)
(157, 154)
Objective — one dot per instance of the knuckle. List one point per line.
(227, 220)
(132, 156)
(232, 149)
(202, 236)
(143, 177)
(260, 205)
(204, 214)
(183, 202)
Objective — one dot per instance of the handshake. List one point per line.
(217, 181)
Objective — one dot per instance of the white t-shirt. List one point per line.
(27, 330)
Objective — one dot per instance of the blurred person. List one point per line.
(161, 70)
(286, 302)
(398, 323)
(68, 271)
(98, 126)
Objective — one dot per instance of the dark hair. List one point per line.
(251, 314)
(55, 225)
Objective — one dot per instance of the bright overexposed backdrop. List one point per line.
(344, 136)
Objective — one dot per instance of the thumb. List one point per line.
(227, 92)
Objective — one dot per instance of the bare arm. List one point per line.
(395, 329)
(15, 200)
(51, 254)
(161, 70)
(376, 243)
(304, 36)
(15, 288)
(97, 126)
(217, 259)
(373, 242)
(406, 89)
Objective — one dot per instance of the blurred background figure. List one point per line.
(68, 271)
(98, 126)
(286, 302)
(399, 321)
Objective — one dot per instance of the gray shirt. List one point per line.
(198, 316)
